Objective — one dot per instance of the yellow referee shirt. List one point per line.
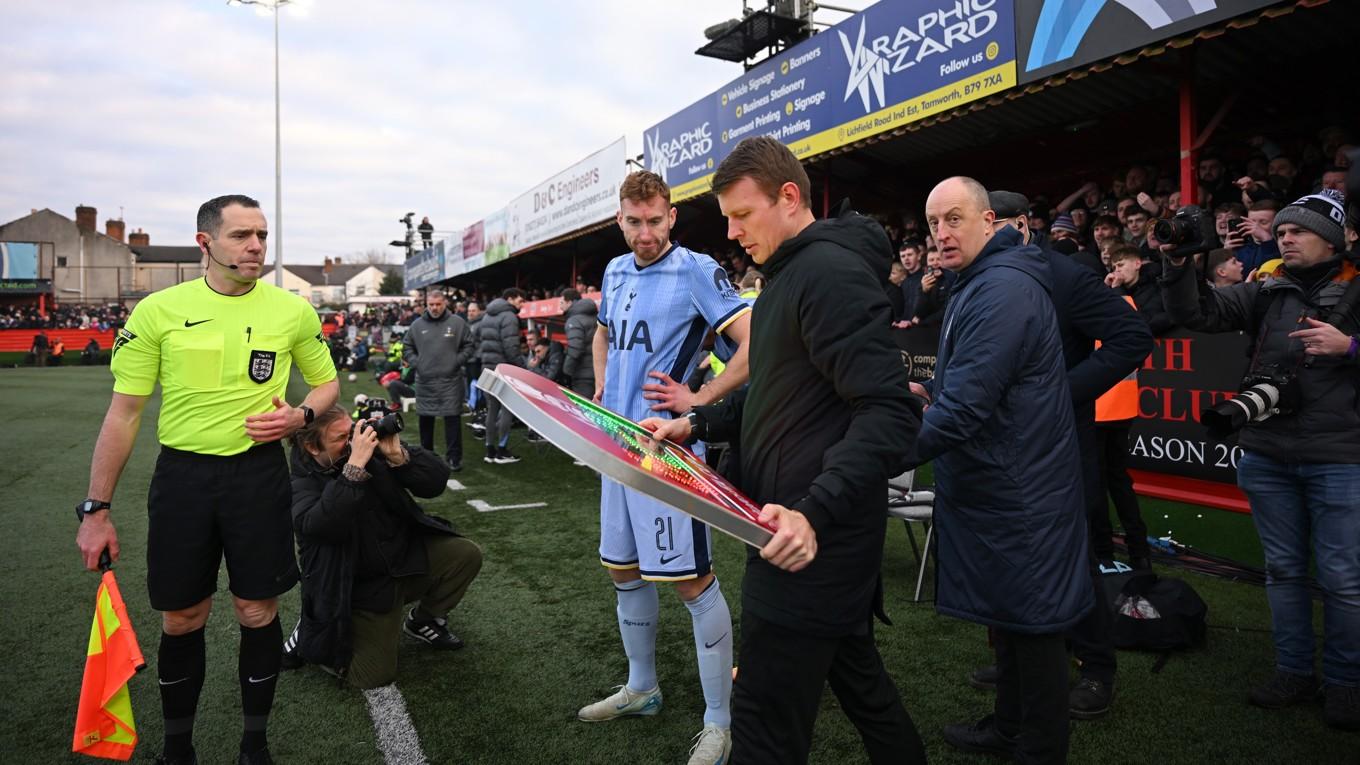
(218, 359)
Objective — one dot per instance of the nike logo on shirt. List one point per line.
(188, 323)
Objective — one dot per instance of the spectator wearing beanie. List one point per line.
(1063, 227)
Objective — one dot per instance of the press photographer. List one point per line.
(368, 550)
(1300, 431)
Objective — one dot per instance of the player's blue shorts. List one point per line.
(639, 532)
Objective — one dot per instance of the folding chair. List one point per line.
(913, 506)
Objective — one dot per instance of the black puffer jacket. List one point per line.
(583, 316)
(826, 420)
(1326, 427)
(498, 334)
(355, 539)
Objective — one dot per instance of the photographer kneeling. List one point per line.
(367, 550)
(1300, 431)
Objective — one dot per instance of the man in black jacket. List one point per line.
(824, 423)
(499, 337)
(545, 357)
(367, 549)
(578, 367)
(1138, 280)
(1301, 466)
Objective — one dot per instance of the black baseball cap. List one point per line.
(1008, 204)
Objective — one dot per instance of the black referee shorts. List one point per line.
(202, 506)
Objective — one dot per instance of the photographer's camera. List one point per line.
(1190, 230)
(381, 416)
(1263, 394)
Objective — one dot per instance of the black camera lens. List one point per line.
(1170, 231)
(387, 425)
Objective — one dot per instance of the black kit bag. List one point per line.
(1156, 614)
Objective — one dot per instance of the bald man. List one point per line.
(1008, 494)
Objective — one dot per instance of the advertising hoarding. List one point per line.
(584, 194)
(894, 63)
(1053, 36)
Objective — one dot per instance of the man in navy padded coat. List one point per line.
(1088, 313)
(1008, 503)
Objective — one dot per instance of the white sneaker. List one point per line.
(711, 746)
(622, 703)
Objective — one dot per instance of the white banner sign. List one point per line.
(453, 255)
(583, 194)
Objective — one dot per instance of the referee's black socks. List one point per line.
(259, 672)
(180, 665)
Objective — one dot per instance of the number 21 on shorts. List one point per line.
(663, 528)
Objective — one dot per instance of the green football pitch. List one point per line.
(541, 634)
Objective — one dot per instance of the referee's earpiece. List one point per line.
(215, 260)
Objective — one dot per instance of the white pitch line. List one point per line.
(482, 506)
(454, 485)
(397, 739)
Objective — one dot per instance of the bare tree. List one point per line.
(371, 256)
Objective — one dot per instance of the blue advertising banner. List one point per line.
(425, 267)
(1057, 35)
(896, 62)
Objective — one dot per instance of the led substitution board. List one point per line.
(624, 451)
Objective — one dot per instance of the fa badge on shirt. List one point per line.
(261, 366)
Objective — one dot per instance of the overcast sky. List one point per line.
(446, 108)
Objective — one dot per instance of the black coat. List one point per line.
(1325, 428)
(498, 335)
(355, 540)
(911, 293)
(582, 317)
(826, 420)
(551, 366)
(1147, 295)
(1088, 311)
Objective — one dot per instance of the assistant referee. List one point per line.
(221, 348)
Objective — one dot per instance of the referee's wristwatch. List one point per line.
(89, 507)
(307, 415)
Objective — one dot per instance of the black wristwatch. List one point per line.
(697, 429)
(307, 415)
(90, 506)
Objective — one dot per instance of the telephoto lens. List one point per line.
(1254, 403)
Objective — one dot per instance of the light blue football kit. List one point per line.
(657, 317)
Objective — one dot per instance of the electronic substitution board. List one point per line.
(625, 452)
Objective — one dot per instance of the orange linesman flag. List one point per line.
(104, 725)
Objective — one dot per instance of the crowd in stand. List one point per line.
(1241, 189)
(63, 317)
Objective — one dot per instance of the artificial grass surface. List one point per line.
(540, 630)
